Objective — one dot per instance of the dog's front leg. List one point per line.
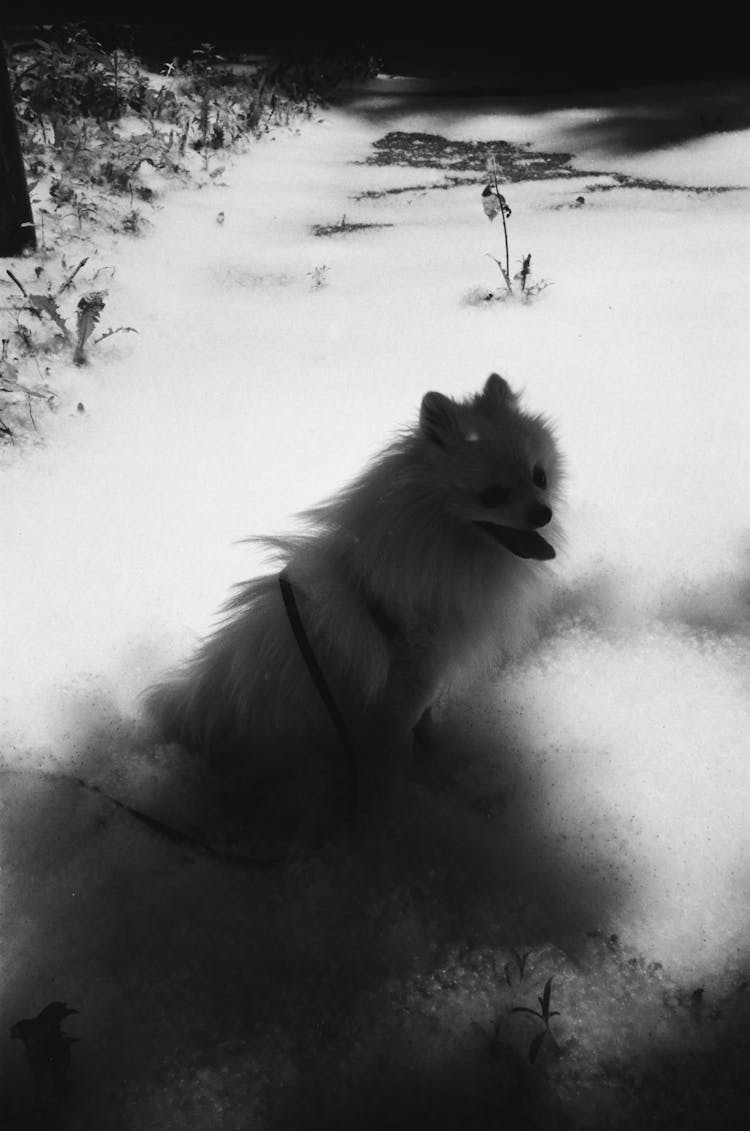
(388, 746)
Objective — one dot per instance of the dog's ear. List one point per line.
(438, 419)
(497, 393)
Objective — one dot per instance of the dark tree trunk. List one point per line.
(16, 221)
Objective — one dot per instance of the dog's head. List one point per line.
(499, 466)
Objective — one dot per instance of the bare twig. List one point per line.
(119, 330)
(503, 206)
(503, 272)
(67, 282)
(18, 282)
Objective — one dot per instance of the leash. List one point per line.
(318, 678)
(159, 828)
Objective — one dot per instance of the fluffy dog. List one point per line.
(431, 558)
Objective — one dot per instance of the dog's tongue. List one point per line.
(522, 543)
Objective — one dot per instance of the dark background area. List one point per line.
(495, 46)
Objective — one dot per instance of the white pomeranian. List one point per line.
(431, 558)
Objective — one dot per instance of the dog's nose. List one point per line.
(539, 514)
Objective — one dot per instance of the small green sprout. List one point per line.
(545, 1015)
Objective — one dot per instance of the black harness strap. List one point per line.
(316, 672)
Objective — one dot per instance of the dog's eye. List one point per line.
(539, 477)
(494, 496)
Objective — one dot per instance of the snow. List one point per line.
(268, 366)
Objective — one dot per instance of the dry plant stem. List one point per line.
(72, 276)
(18, 282)
(119, 330)
(506, 272)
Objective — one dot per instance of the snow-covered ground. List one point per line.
(602, 783)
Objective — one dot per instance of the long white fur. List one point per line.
(397, 547)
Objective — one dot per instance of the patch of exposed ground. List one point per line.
(515, 162)
(344, 226)
(431, 151)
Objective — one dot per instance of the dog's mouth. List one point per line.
(522, 543)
